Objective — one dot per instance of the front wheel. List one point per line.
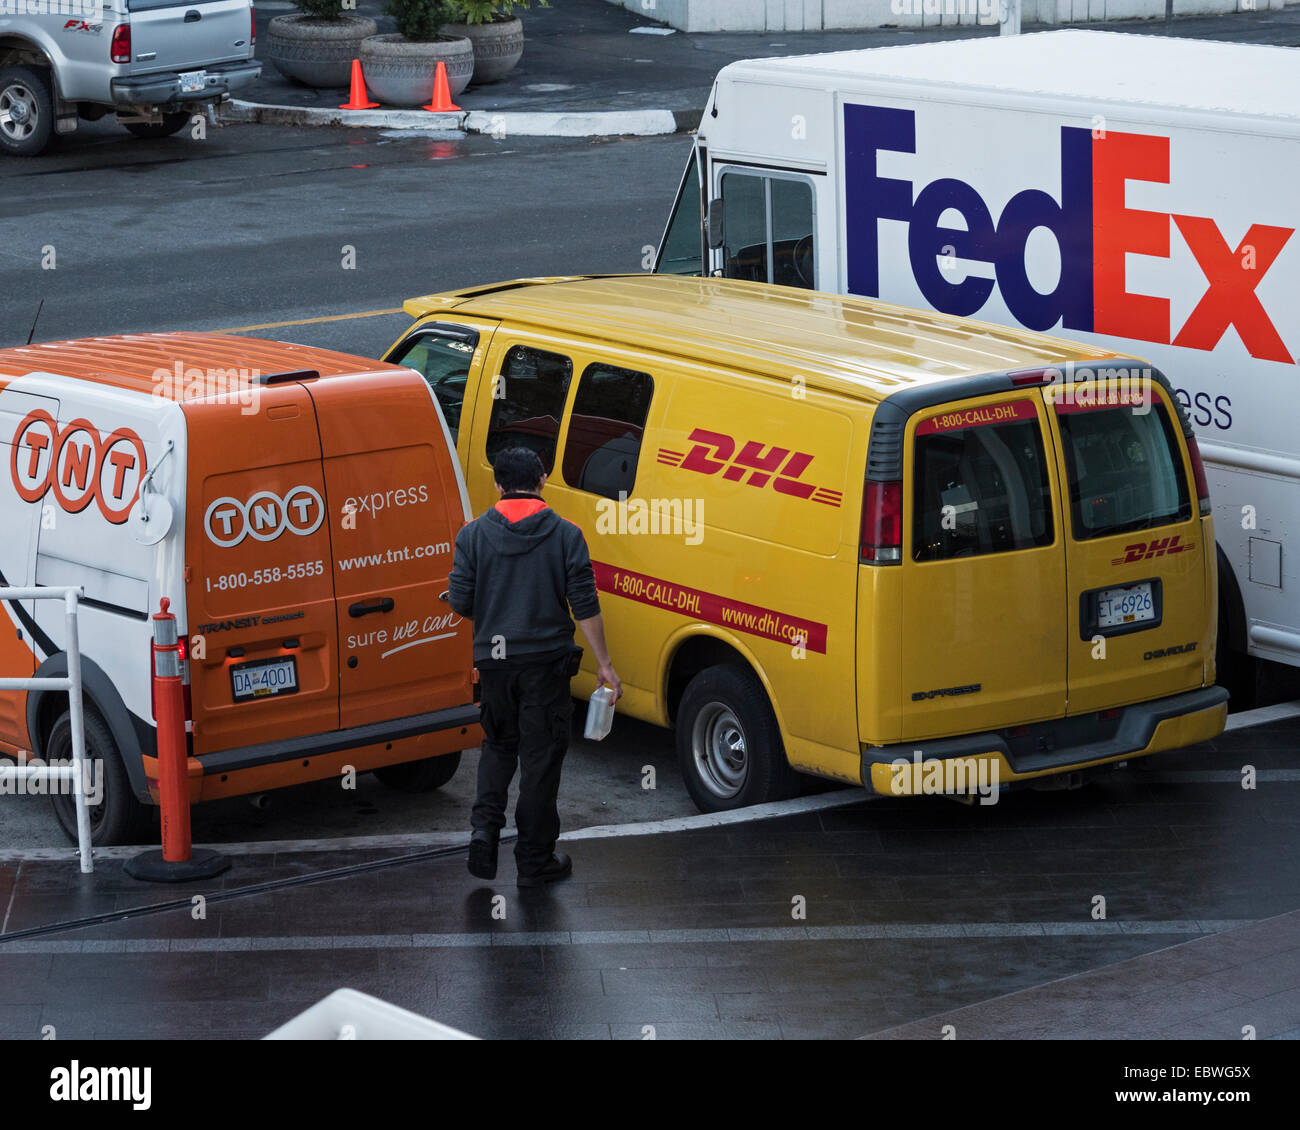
(729, 746)
(118, 818)
(171, 123)
(420, 776)
(26, 112)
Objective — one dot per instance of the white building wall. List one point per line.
(825, 15)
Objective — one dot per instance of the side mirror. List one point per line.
(713, 223)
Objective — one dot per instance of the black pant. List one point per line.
(526, 713)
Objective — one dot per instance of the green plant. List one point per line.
(483, 11)
(320, 9)
(420, 21)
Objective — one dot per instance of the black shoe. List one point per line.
(560, 867)
(482, 862)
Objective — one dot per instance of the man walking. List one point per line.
(518, 570)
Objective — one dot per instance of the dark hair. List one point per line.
(518, 469)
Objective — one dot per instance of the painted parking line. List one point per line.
(914, 931)
(851, 795)
(311, 321)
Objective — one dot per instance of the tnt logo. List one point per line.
(264, 516)
(1157, 547)
(1094, 229)
(78, 464)
(715, 452)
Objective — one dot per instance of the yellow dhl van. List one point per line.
(302, 509)
(845, 538)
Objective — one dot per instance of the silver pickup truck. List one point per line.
(152, 62)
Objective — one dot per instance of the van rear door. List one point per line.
(983, 562)
(396, 502)
(260, 592)
(28, 433)
(1138, 604)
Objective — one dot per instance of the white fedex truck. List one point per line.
(1135, 192)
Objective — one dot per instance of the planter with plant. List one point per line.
(316, 45)
(400, 68)
(496, 32)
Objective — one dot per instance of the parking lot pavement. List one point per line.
(581, 56)
(847, 918)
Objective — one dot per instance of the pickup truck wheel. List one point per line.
(729, 746)
(420, 776)
(171, 123)
(26, 112)
(118, 818)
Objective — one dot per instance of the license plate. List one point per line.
(1128, 605)
(264, 679)
(192, 81)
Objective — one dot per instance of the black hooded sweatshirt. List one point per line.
(517, 580)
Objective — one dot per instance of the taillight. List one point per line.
(252, 34)
(882, 523)
(120, 47)
(1198, 473)
(1034, 376)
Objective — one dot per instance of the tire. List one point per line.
(1235, 671)
(420, 776)
(26, 111)
(171, 123)
(119, 818)
(729, 746)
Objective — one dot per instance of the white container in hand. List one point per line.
(600, 714)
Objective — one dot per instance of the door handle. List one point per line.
(193, 16)
(356, 611)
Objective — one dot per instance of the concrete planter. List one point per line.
(498, 47)
(400, 72)
(314, 51)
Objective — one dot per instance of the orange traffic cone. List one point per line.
(442, 102)
(357, 98)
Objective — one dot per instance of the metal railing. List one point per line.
(70, 595)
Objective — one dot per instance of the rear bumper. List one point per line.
(164, 89)
(977, 762)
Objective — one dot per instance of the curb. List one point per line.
(577, 123)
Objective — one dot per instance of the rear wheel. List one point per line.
(729, 746)
(118, 818)
(420, 776)
(26, 111)
(171, 123)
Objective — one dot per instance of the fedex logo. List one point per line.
(1093, 228)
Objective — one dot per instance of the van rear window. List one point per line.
(980, 489)
(1125, 470)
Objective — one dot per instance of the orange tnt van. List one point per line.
(299, 509)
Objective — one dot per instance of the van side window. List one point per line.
(1125, 468)
(534, 385)
(605, 429)
(442, 356)
(981, 489)
(767, 229)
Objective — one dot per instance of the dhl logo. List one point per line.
(715, 452)
(1156, 547)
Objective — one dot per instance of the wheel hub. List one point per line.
(17, 111)
(718, 746)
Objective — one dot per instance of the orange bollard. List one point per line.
(442, 103)
(177, 862)
(357, 96)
